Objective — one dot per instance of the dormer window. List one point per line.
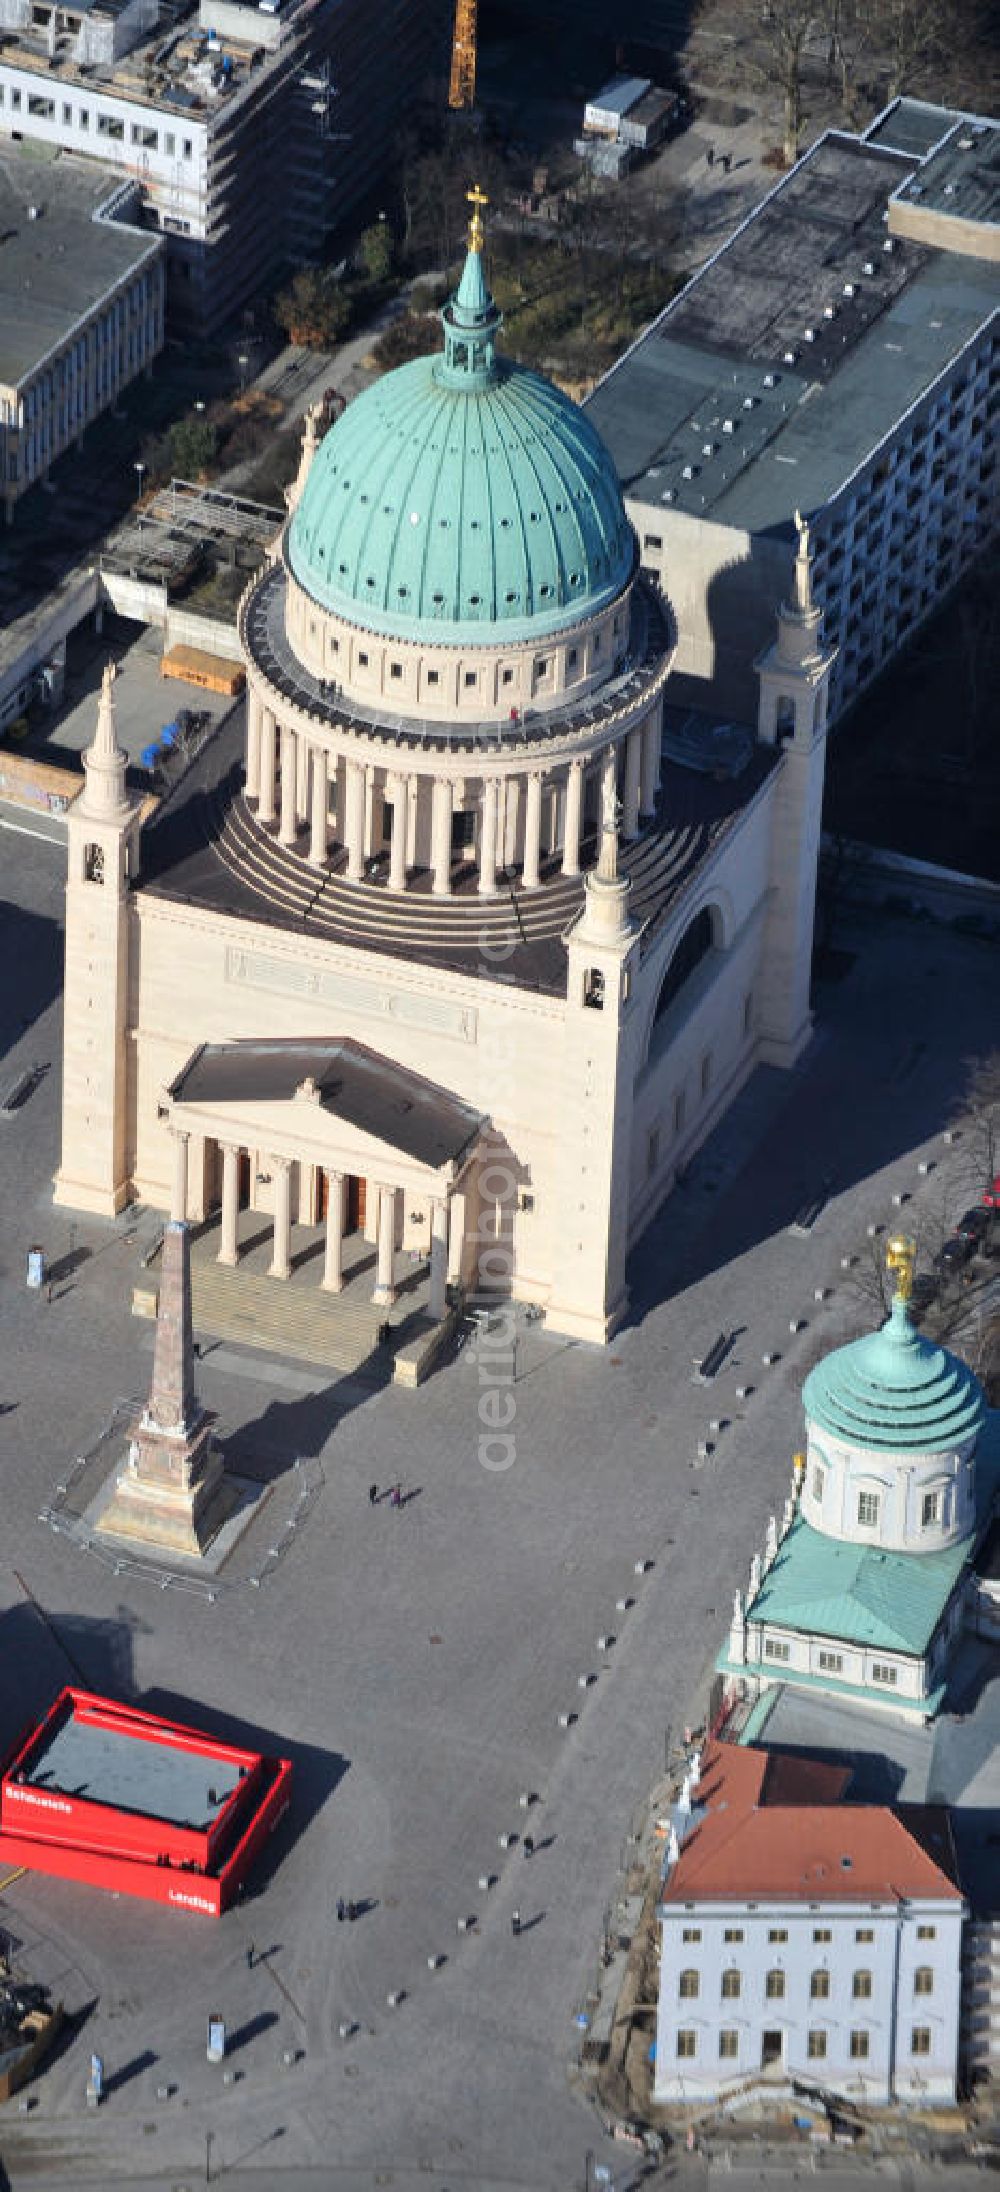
(930, 1510)
(869, 1505)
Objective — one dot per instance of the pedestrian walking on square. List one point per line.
(710, 155)
(528, 1845)
(352, 1912)
(515, 1923)
(251, 1953)
(372, 1494)
(341, 1910)
(396, 1496)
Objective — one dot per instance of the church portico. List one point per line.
(290, 1132)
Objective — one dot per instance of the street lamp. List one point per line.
(140, 468)
(243, 361)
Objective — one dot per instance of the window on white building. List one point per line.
(822, 1933)
(778, 1933)
(732, 1985)
(819, 1484)
(816, 2046)
(859, 2047)
(862, 1986)
(927, 1933)
(868, 1510)
(774, 1986)
(691, 1933)
(920, 2040)
(882, 1672)
(110, 125)
(831, 1662)
(819, 1986)
(775, 1649)
(729, 2046)
(864, 1933)
(930, 1509)
(689, 1986)
(687, 2046)
(923, 1980)
(733, 1933)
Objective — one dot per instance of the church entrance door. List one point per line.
(356, 1202)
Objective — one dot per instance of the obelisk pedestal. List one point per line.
(171, 1491)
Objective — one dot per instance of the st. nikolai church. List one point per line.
(458, 936)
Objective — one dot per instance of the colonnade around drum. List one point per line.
(516, 818)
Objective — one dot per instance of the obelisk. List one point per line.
(171, 1491)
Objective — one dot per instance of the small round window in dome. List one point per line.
(403, 591)
(414, 517)
(545, 591)
(511, 596)
(342, 567)
(369, 582)
(575, 578)
(474, 600)
(560, 507)
(387, 509)
(505, 525)
(475, 524)
(362, 498)
(438, 600)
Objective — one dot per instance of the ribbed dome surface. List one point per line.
(462, 492)
(895, 1389)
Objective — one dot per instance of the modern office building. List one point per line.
(806, 1938)
(81, 308)
(255, 132)
(839, 356)
(456, 939)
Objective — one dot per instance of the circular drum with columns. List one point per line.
(453, 652)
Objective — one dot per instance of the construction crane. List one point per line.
(462, 86)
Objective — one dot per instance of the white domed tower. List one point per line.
(861, 1592)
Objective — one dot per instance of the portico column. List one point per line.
(573, 819)
(441, 813)
(609, 780)
(488, 840)
(633, 767)
(320, 795)
(179, 1189)
(228, 1253)
(385, 1292)
(280, 1266)
(456, 1238)
(333, 1264)
(288, 827)
(439, 1260)
(652, 733)
(268, 759)
(532, 831)
(397, 787)
(254, 713)
(354, 821)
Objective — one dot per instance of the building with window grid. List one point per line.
(840, 356)
(805, 1937)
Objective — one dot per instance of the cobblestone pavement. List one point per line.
(416, 1662)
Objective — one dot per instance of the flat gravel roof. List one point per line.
(131, 1773)
(56, 268)
(779, 368)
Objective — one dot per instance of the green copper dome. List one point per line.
(895, 1389)
(462, 492)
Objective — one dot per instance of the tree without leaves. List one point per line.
(193, 444)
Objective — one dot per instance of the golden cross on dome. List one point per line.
(477, 199)
(900, 1258)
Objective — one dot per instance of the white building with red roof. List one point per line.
(806, 1939)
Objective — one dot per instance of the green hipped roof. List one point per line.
(895, 1389)
(857, 1594)
(462, 492)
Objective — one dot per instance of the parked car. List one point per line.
(925, 1289)
(973, 1225)
(954, 1254)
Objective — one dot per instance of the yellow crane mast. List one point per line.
(462, 87)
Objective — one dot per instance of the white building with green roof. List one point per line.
(862, 1590)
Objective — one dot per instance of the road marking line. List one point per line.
(12, 1876)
